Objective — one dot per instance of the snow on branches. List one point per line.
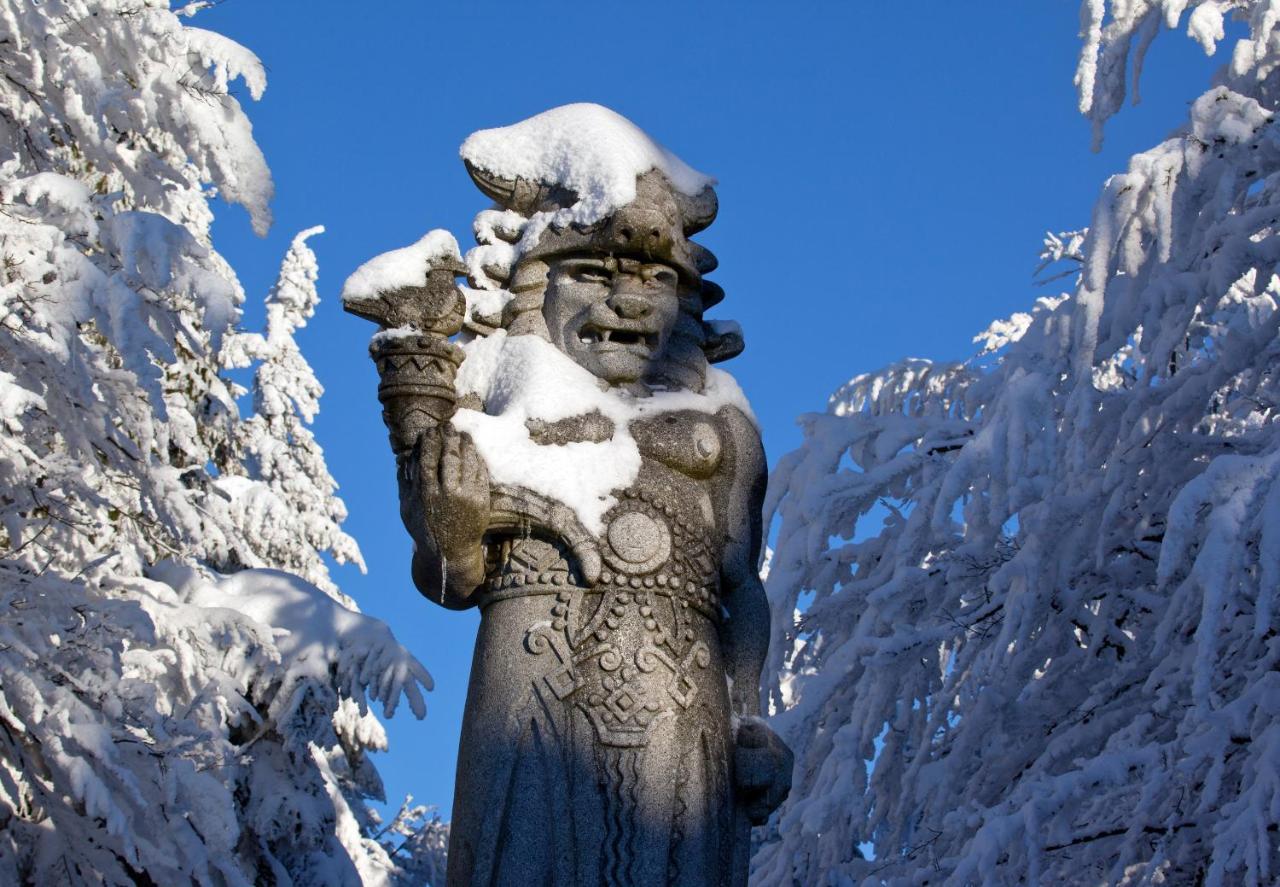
(287, 494)
(161, 721)
(177, 728)
(1115, 32)
(1024, 605)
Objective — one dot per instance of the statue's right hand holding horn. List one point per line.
(444, 484)
(444, 502)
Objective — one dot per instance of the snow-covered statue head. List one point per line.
(570, 462)
(600, 264)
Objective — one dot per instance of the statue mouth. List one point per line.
(601, 338)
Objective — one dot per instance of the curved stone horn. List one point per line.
(712, 294)
(722, 344)
(699, 211)
(495, 187)
(521, 195)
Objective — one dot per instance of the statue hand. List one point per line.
(762, 766)
(445, 493)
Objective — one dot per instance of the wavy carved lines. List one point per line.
(622, 781)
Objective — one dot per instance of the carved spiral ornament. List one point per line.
(638, 542)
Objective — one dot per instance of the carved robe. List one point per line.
(597, 740)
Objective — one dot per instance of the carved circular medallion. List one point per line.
(638, 542)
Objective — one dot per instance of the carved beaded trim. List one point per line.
(647, 546)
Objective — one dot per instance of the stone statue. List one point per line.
(583, 479)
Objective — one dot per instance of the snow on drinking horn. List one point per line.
(404, 267)
(572, 464)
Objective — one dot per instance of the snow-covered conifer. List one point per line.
(1025, 604)
(286, 495)
(165, 715)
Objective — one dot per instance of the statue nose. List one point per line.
(629, 305)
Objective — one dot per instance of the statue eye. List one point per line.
(591, 274)
(664, 277)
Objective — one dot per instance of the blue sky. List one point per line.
(886, 175)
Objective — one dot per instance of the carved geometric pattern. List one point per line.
(626, 650)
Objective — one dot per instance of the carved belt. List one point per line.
(646, 546)
(702, 599)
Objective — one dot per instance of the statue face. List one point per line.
(612, 316)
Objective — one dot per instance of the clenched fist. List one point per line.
(762, 766)
(444, 502)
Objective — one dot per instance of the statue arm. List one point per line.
(762, 763)
(746, 628)
(445, 506)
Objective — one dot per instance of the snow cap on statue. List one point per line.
(589, 180)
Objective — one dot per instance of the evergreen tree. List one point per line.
(1025, 604)
(285, 495)
(166, 716)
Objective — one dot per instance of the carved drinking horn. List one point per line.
(436, 306)
(417, 365)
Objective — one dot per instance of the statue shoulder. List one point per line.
(742, 438)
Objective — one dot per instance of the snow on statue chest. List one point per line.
(549, 426)
(631, 648)
(571, 463)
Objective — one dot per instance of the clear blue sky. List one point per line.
(886, 174)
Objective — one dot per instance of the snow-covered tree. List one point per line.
(1025, 604)
(166, 715)
(285, 500)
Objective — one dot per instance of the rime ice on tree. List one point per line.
(573, 466)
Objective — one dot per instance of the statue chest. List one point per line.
(662, 530)
(638, 647)
(688, 443)
(680, 454)
(660, 536)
